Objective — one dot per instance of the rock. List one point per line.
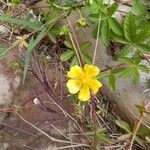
(126, 94)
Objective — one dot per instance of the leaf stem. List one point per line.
(96, 44)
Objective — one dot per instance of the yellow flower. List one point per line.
(21, 41)
(83, 80)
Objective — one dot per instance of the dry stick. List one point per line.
(70, 146)
(77, 50)
(44, 133)
(96, 44)
(74, 41)
(135, 131)
(59, 131)
(112, 67)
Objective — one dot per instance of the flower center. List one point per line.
(85, 79)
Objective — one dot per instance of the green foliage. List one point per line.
(15, 2)
(71, 55)
(139, 8)
(97, 135)
(21, 22)
(143, 132)
(124, 125)
(3, 51)
(142, 108)
(134, 66)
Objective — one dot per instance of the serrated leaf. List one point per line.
(31, 46)
(139, 7)
(21, 22)
(112, 9)
(130, 27)
(102, 75)
(144, 48)
(143, 68)
(115, 26)
(112, 80)
(95, 31)
(124, 125)
(127, 72)
(136, 76)
(69, 44)
(124, 137)
(87, 59)
(125, 60)
(137, 58)
(105, 33)
(74, 61)
(67, 55)
(120, 39)
(125, 51)
(85, 45)
(144, 34)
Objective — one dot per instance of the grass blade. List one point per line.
(21, 22)
(31, 46)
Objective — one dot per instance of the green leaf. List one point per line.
(125, 137)
(126, 60)
(139, 140)
(147, 138)
(21, 22)
(137, 58)
(102, 75)
(53, 33)
(130, 27)
(127, 72)
(31, 46)
(74, 61)
(105, 33)
(144, 48)
(103, 138)
(120, 39)
(115, 26)
(27, 58)
(125, 51)
(67, 55)
(3, 51)
(87, 58)
(69, 44)
(85, 45)
(143, 68)
(139, 7)
(112, 80)
(144, 34)
(136, 76)
(124, 125)
(112, 9)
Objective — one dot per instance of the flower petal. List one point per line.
(91, 70)
(73, 86)
(84, 94)
(75, 72)
(94, 85)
